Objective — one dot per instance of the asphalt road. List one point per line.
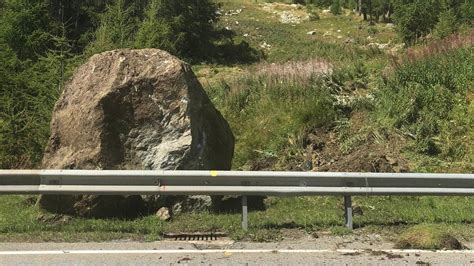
(328, 251)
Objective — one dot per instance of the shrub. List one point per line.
(446, 25)
(336, 7)
(372, 30)
(467, 12)
(416, 19)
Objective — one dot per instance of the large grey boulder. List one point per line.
(134, 109)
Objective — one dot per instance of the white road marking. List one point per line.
(227, 251)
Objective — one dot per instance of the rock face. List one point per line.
(135, 109)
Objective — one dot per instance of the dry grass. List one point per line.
(300, 72)
(450, 43)
(427, 237)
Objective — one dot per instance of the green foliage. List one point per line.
(266, 110)
(34, 55)
(320, 3)
(26, 28)
(426, 97)
(116, 30)
(80, 18)
(184, 27)
(466, 11)
(446, 25)
(154, 31)
(336, 7)
(416, 19)
(26, 101)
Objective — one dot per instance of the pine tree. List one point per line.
(25, 108)
(34, 54)
(154, 31)
(192, 25)
(116, 30)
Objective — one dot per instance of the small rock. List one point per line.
(192, 203)
(349, 40)
(54, 218)
(177, 208)
(265, 45)
(357, 210)
(311, 32)
(390, 160)
(163, 214)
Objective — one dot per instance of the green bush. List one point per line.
(467, 12)
(416, 19)
(446, 25)
(336, 7)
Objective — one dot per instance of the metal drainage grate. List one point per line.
(194, 236)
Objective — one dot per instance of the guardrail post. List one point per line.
(348, 211)
(244, 213)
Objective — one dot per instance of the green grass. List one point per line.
(266, 114)
(429, 100)
(428, 236)
(311, 214)
(290, 41)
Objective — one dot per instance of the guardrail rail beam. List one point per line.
(243, 183)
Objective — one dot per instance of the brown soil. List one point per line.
(322, 152)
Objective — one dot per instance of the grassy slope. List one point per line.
(263, 117)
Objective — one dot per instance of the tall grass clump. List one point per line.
(266, 110)
(429, 99)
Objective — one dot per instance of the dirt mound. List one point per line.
(426, 237)
(322, 153)
(323, 150)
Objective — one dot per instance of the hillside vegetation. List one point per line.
(305, 85)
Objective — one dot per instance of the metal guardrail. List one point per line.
(244, 183)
